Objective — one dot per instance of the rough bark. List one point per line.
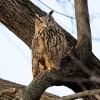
(18, 16)
(84, 43)
(4, 84)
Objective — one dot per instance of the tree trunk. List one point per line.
(84, 43)
(19, 16)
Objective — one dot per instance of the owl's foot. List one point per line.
(49, 68)
(56, 68)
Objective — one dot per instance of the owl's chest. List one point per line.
(39, 40)
(52, 44)
(37, 45)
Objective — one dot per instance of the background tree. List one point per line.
(75, 74)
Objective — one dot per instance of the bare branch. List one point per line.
(82, 94)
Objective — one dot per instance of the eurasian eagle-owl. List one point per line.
(48, 45)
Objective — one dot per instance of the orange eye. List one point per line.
(40, 21)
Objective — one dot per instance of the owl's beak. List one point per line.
(44, 25)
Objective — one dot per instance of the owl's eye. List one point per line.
(40, 21)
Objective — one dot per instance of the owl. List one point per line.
(48, 44)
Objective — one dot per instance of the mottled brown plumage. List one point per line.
(48, 45)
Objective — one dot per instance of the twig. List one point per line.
(82, 94)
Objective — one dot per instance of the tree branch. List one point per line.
(54, 77)
(7, 85)
(82, 94)
(19, 16)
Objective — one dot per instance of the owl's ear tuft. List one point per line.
(51, 12)
(37, 16)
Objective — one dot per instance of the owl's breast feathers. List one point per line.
(51, 42)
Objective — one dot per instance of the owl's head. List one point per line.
(45, 22)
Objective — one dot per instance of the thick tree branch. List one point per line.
(55, 77)
(19, 16)
(5, 86)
